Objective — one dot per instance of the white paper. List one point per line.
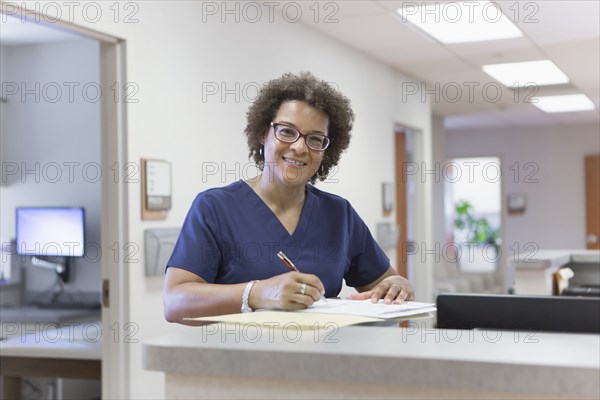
(366, 308)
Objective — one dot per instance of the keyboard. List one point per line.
(583, 291)
(60, 305)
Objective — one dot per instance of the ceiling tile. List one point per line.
(555, 21)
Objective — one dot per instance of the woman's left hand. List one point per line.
(393, 289)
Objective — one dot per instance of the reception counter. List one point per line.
(218, 361)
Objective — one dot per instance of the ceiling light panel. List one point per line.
(564, 103)
(460, 22)
(538, 73)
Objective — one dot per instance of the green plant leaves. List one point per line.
(478, 229)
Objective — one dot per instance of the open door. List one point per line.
(592, 201)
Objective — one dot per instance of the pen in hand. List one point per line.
(288, 263)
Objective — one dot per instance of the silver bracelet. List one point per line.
(245, 307)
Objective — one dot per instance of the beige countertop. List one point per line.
(31, 332)
(554, 259)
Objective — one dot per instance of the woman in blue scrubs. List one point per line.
(225, 260)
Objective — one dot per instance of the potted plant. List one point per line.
(477, 232)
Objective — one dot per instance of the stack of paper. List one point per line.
(322, 314)
(366, 308)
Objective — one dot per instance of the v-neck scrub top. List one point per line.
(231, 236)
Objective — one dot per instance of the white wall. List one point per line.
(555, 214)
(3, 55)
(439, 157)
(439, 235)
(42, 131)
(171, 53)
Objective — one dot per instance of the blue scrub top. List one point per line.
(231, 236)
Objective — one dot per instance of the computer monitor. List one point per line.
(52, 235)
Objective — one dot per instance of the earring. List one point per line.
(322, 168)
(260, 150)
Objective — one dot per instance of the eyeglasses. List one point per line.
(288, 134)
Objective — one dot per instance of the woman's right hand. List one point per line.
(284, 292)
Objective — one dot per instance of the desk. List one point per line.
(533, 271)
(65, 349)
(375, 362)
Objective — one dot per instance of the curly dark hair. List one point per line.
(316, 93)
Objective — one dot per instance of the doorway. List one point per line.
(474, 209)
(113, 193)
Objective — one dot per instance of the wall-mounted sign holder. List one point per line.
(516, 203)
(156, 189)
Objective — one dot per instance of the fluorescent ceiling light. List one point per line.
(565, 103)
(538, 73)
(460, 22)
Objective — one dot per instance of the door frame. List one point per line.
(418, 212)
(401, 158)
(592, 162)
(115, 310)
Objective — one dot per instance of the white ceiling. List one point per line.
(566, 32)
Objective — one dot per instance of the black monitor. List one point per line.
(52, 235)
(525, 313)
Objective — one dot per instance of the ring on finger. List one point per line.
(302, 288)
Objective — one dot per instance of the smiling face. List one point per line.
(294, 163)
